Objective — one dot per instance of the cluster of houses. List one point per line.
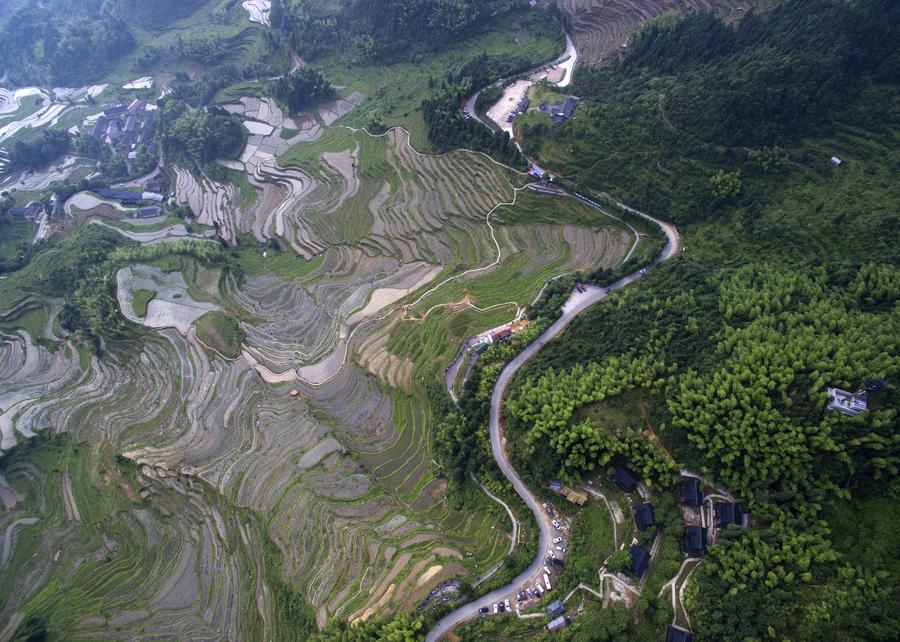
(32, 211)
(126, 128)
(560, 111)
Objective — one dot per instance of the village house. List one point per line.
(847, 403)
(644, 517)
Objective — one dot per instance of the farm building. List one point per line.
(644, 517)
(556, 608)
(625, 479)
(690, 492)
(500, 335)
(847, 403)
(118, 195)
(677, 634)
(640, 560)
(31, 211)
(694, 541)
(575, 496)
(557, 624)
(728, 513)
(149, 212)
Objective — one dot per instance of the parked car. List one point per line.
(483, 610)
(557, 540)
(556, 524)
(507, 605)
(502, 607)
(495, 608)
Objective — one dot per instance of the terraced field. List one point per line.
(304, 462)
(600, 28)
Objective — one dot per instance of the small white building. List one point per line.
(847, 403)
(557, 624)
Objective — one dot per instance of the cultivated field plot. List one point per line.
(600, 28)
(304, 460)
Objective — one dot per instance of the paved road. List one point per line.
(577, 303)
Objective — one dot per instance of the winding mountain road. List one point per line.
(577, 303)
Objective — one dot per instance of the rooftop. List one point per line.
(847, 403)
(640, 560)
(690, 492)
(728, 513)
(644, 517)
(677, 634)
(556, 608)
(694, 541)
(625, 479)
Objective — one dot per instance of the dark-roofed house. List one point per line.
(677, 634)
(728, 513)
(149, 212)
(640, 560)
(119, 195)
(524, 104)
(556, 608)
(32, 210)
(563, 110)
(644, 517)
(555, 484)
(557, 624)
(694, 541)
(625, 479)
(99, 130)
(690, 492)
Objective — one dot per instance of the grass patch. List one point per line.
(287, 133)
(141, 300)
(15, 237)
(615, 412)
(287, 264)
(591, 541)
(221, 333)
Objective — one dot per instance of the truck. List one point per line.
(546, 581)
(540, 589)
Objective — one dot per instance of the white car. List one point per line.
(555, 524)
(507, 604)
(496, 606)
(557, 540)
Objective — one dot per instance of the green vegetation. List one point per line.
(221, 333)
(370, 32)
(302, 89)
(142, 299)
(199, 136)
(66, 42)
(42, 150)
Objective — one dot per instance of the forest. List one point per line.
(735, 363)
(699, 118)
(302, 89)
(381, 31)
(62, 42)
